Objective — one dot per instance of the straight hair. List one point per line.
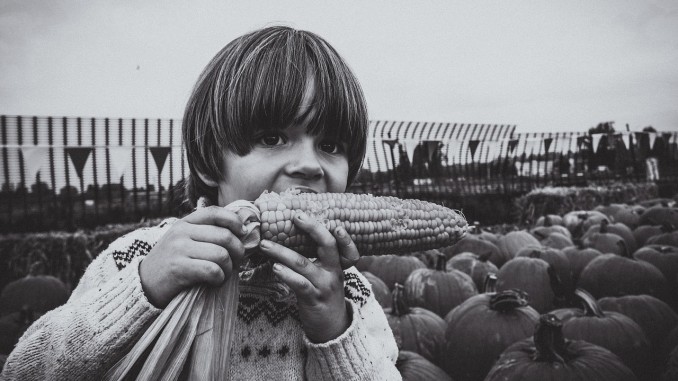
(257, 82)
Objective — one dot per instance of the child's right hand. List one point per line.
(203, 247)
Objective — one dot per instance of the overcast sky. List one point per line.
(543, 66)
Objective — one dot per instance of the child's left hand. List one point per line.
(319, 285)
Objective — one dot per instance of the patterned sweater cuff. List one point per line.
(345, 357)
(122, 302)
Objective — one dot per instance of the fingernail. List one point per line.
(277, 267)
(341, 232)
(265, 244)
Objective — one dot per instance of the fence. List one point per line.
(64, 172)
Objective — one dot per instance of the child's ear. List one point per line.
(208, 180)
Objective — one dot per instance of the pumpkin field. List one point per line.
(578, 289)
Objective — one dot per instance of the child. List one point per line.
(275, 109)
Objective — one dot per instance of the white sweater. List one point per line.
(108, 312)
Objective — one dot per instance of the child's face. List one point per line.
(283, 159)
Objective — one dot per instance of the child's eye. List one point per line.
(331, 147)
(271, 139)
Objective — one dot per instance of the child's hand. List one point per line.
(319, 285)
(200, 248)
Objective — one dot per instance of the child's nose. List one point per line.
(305, 163)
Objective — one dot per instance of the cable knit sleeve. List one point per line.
(366, 350)
(106, 312)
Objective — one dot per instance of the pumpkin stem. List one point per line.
(508, 300)
(535, 253)
(624, 249)
(668, 227)
(591, 307)
(547, 221)
(539, 234)
(400, 308)
(441, 261)
(603, 226)
(549, 340)
(35, 269)
(557, 285)
(490, 284)
(579, 243)
(476, 228)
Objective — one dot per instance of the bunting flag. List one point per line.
(79, 156)
(513, 143)
(473, 145)
(159, 156)
(547, 144)
(409, 145)
(581, 142)
(596, 140)
(34, 158)
(626, 140)
(652, 136)
(667, 137)
(120, 159)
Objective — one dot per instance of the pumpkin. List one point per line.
(659, 215)
(558, 261)
(379, 289)
(579, 256)
(550, 356)
(542, 231)
(655, 317)
(414, 367)
(531, 275)
(479, 330)
(512, 242)
(622, 213)
(428, 257)
(438, 290)
(12, 326)
(415, 329)
(605, 241)
(38, 293)
(615, 228)
(611, 330)
(483, 234)
(554, 219)
(616, 275)
(644, 232)
(610, 209)
(556, 241)
(578, 221)
(393, 269)
(475, 266)
(664, 258)
(668, 236)
(477, 246)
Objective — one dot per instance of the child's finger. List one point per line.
(219, 236)
(299, 285)
(213, 253)
(291, 260)
(328, 254)
(348, 252)
(218, 216)
(202, 271)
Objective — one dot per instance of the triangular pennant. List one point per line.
(121, 157)
(159, 156)
(547, 144)
(513, 143)
(626, 140)
(79, 156)
(596, 141)
(34, 158)
(473, 145)
(652, 136)
(409, 145)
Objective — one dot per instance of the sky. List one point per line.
(539, 65)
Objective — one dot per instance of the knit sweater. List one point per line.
(108, 312)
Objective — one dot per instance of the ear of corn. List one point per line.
(377, 225)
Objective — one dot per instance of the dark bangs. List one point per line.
(258, 82)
